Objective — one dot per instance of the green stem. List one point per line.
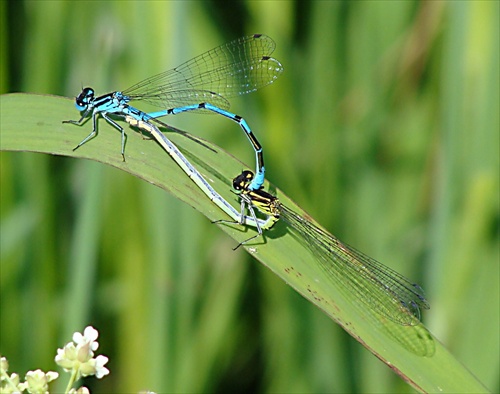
(72, 379)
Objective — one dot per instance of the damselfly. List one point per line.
(370, 282)
(201, 84)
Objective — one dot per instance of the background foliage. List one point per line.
(384, 127)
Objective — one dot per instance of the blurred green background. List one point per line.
(384, 127)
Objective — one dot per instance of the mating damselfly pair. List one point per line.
(203, 84)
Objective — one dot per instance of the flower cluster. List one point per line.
(35, 381)
(77, 357)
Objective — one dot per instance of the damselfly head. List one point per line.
(242, 181)
(84, 99)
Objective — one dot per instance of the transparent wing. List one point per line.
(239, 67)
(373, 284)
